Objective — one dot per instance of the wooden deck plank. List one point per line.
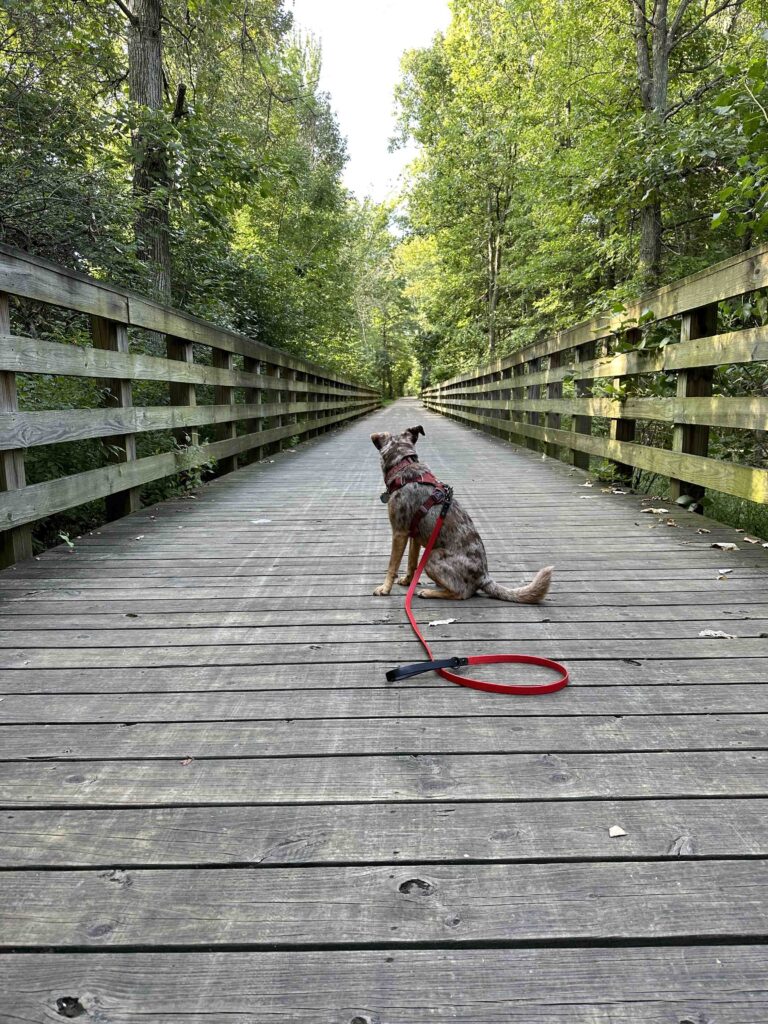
(261, 611)
(385, 779)
(386, 905)
(383, 833)
(382, 704)
(321, 653)
(647, 670)
(698, 984)
(496, 734)
(385, 634)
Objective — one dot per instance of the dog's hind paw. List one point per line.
(404, 581)
(381, 591)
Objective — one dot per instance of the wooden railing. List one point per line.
(284, 396)
(521, 396)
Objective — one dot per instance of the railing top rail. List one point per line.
(742, 273)
(31, 277)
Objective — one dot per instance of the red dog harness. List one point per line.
(395, 481)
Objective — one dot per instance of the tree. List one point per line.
(569, 155)
(658, 33)
(151, 171)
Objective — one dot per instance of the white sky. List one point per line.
(362, 42)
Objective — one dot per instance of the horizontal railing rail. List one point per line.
(282, 396)
(523, 395)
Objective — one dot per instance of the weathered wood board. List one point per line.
(208, 785)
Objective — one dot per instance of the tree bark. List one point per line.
(496, 220)
(151, 176)
(656, 35)
(652, 54)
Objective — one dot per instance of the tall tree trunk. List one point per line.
(493, 268)
(151, 177)
(652, 49)
(651, 228)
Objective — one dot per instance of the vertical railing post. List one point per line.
(311, 399)
(16, 543)
(252, 397)
(291, 417)
(583, 387)
(224, 395)
(272, 397)
(694, 383)
(534, 393)
(554, 390)
(118, 393)
(624, 429)
(181, 393)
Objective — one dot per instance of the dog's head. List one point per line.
(395, 447)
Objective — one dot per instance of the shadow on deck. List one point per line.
(216, 809)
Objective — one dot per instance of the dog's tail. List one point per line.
(531, 593)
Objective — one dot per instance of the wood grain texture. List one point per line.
(254, 737)
(383, 833)
(38, 500)
(584, 698)
(31, 277)
(665, 985)
(730, 478)
(385, 905)
(202, 753)
(345, 675)
(385, 779)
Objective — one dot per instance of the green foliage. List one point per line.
(262, 229)
(743, 111)
(538, 158)
(264, 237)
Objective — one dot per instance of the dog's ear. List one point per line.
(379, 439)
(414, 432)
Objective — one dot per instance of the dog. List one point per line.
(458, 563)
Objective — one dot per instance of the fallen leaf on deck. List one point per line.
(725, 546)
(717, 634)
(258, 522)
(615, 831)
(751, 540)
(588, 483)
(616, 490)
(442, 622)
(186, 761)
(656, 511)
(140, 537)
(671, 522)
(702, 530)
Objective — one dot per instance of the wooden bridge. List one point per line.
(214, 808)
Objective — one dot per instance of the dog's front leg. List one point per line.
(399, 540)
(413, 561)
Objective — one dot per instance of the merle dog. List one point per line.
(458, 564)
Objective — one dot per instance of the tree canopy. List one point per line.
(572, 154)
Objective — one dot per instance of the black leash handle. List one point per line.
(406, 671)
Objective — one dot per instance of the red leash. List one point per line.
(442, 667)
